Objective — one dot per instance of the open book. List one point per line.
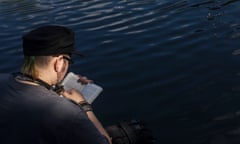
(90, 91)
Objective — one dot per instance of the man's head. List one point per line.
(48, 49)
(49, 40)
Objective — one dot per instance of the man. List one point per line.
(31, 110)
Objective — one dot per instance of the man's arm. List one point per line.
(98, 125)
(76, 96)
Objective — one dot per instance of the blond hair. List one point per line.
(32, 63)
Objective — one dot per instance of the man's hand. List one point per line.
(84, 80)
(74, 95)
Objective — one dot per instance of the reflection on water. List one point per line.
(173, 64)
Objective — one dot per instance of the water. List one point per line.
(173, 64)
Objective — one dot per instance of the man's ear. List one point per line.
(59, 63)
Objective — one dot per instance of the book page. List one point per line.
(90, 91)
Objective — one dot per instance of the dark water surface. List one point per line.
(173, 64)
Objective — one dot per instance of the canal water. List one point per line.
(173, 64)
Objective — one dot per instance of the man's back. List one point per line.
(33, 114)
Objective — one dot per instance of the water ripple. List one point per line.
(173, 54)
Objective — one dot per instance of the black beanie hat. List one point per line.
(49, 40)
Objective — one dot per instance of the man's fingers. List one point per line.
(84, 80)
